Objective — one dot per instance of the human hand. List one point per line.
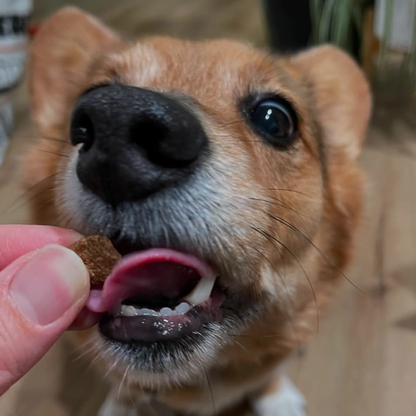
(43, 288)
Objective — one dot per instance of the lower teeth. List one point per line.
(198, 295)
(129, 310)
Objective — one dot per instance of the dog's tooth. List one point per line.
(182, 308)
(128, 310)
(147, 312)
(202, 291)
(166, 312)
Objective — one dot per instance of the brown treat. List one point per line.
(98, 255)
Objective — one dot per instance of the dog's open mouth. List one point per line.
(156, 295)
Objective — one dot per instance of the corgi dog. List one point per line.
(226, 177)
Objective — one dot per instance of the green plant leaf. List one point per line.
(316, 7)
(341, 24)
(325, 23)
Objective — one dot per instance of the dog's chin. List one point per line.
(159, 346)
(163, 364)
(181, 359)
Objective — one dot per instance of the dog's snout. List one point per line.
(134, 142)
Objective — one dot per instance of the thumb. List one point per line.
(41, 294)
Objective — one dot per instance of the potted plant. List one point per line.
(295, 24)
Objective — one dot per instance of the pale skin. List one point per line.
(43, 288)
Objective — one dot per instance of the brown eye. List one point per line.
(275, 120)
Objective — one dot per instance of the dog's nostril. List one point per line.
(82, 131)
(154, 139)
(147, 133)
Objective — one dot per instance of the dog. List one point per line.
(228, 179)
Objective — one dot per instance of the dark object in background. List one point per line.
(288, 23)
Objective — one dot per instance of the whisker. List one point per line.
(123, 380)
(111, 368)
(230, 138)
(53, 153)
(87, 348)
(33, 197)
(294, 210)
(27, 193)
(135, 405)
(323, 255)
(41, 137)
(91, 364)
(95, 354)
(214, 411)
(53, 139)
(271, 238)
(242, 346)
(288, 190)
(232, 123)
(84, 354)
(284, 205)
(287, 298)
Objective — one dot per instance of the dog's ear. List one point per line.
(61, 56)
(341, 95)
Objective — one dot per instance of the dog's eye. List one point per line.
(275, 120)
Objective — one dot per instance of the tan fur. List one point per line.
(73, 52)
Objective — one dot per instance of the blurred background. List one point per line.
(363, 360)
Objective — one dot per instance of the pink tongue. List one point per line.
(148, 274)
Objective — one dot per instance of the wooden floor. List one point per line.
(363, 361)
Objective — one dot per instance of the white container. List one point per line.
(13, 46)
(402, 24)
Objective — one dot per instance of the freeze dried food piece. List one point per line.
(98, 255)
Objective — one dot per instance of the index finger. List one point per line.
(17, 240)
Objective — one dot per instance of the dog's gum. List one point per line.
(98, 255)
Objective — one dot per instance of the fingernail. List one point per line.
(49, 284)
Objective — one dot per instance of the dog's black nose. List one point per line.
(135, 142)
